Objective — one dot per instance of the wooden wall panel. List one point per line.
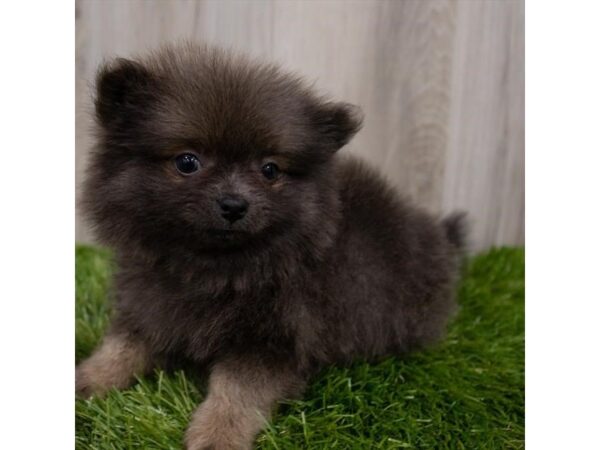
(441, 83)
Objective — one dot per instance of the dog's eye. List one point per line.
(187, 163)
(270, 171)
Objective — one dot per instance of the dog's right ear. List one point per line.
(124, 89)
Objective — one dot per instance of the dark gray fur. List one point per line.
(328, 265)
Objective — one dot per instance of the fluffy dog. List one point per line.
(245, 243)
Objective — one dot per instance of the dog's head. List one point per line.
(205, 149)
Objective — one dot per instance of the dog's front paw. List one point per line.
(87, 384)
(200, 445)
(208, 441)
(210, 433)
(113, 365)
(204, 443)
(94, 379)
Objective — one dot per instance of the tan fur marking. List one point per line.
(112, 365)
(239, 402)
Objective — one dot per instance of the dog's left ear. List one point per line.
(337, 123)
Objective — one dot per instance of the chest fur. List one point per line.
(185, 317)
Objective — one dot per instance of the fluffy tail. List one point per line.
(456, 228)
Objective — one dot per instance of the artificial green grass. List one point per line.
(466, 393)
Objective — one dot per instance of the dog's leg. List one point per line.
(114, 364)
(241, 395)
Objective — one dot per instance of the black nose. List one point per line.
(233, 207)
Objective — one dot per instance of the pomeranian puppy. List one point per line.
(244, 243)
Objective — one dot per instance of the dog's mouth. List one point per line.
(225, 239)
(226, 233)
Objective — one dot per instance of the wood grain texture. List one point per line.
(441, 83)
